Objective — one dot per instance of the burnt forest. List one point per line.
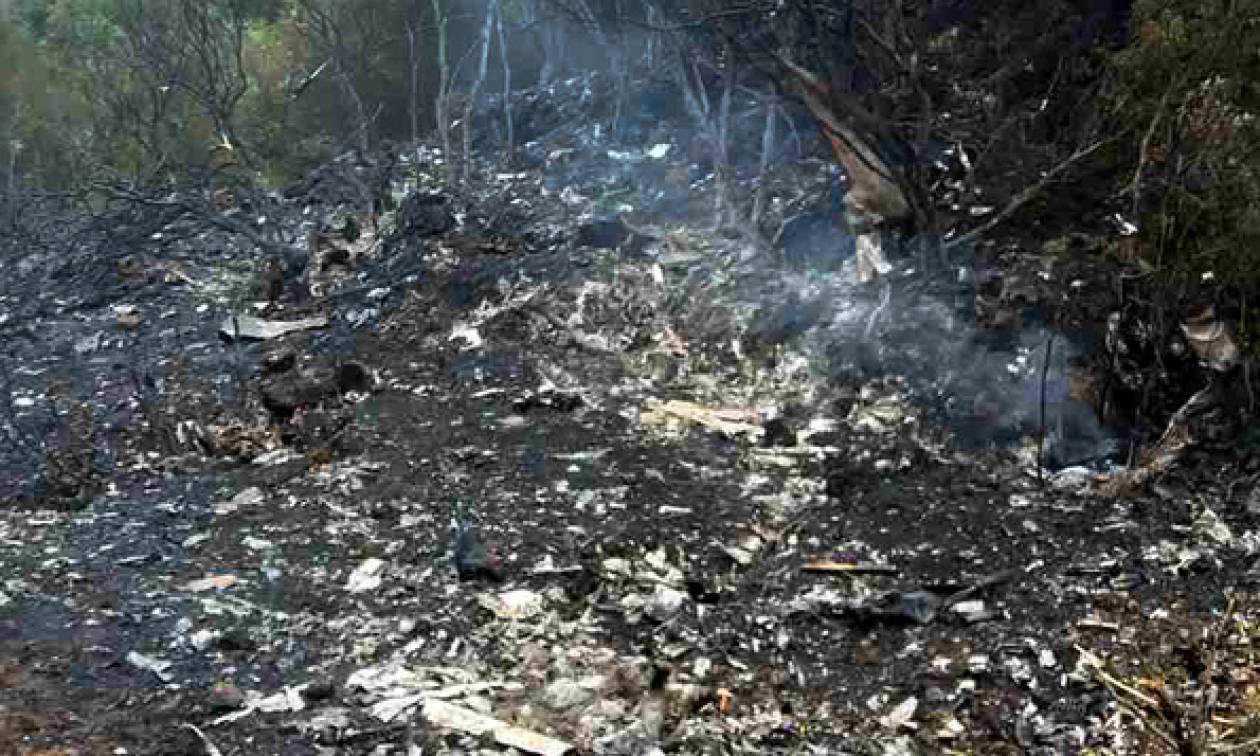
(629, 377)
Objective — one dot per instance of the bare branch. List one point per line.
(1021, 199)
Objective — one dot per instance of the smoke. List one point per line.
(985, 385)
(990, 388)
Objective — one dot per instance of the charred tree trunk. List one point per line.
(768, 140)
(471, 102)
(509, 128)
(414, 61)
(442, 106)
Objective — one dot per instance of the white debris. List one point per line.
(468, 334)
(256, 544)
(366, 577)
(664, 603)
(901, 714)
(443, 715)
(512, 605)
(250, 497)
(158, 667)
(202, 639)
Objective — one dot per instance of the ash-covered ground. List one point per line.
(549, 464)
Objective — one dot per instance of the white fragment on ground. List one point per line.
(512, 605)
(366, 577)
(158, 667)
(208, 583)
(202, 639)
(901, 714)
(275, 457)
(256, 544)
(287, 700)
(390, 709)
(448, 716)
(468, 334)
(1047, 659)
(257, 329)
(664, 603)
(250, 497)
(970, 611)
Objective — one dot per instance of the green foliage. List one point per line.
(98, 89)
(34, 19)
(76, 24)
(1187, 87)
(41, 120)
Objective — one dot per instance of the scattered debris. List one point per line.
(210, 582)
(675, 414)
(160, 668)
(513, 605)
(281, 509)
(251, 328)
(446, 716)
(367, 576)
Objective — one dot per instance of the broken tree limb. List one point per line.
(828, 567)
(1024, 197)
(224, 222)
(211, 748)
(1135, 185)
(873, 188)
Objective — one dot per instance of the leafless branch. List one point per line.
(1024, 197)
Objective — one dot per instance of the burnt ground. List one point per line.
(655, 584)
